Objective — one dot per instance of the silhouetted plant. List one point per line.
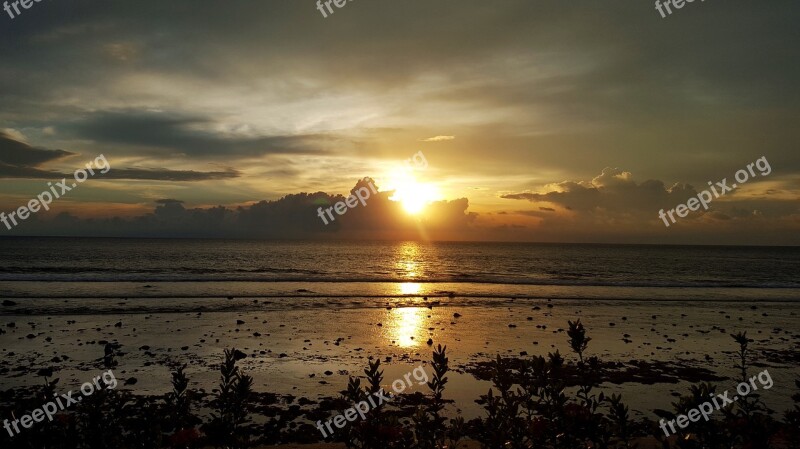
(100, 418)
(578, 340)
(376, 430)
(622, 425)
(181, 421)
(705, 434)
(751, 411)
(791, 427)
(502, 426)
(539, 414)
(431, 429)
(226, 427)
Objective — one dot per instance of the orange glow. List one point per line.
(412, 194)
(406, 326)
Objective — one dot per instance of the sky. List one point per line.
(539, 120)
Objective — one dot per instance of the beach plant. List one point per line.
(52, 434)
(587, 423)
(532, 408)
(704, 434)
(431, 428)
(578, 340)
(377, 430)
(746, 423)
(143, 423)
(428, 428)
(503, 426)
(791, 426)
(622, 424)
(181, 422)
(226, 428)
(101, 417)
(754, 426)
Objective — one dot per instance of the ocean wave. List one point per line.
(303, 276)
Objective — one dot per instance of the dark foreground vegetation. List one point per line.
(536, 402)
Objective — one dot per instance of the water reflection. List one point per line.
(408, 260)
(410, 288)
(405, 323)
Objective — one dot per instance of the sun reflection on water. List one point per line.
(410, 288)
(408, 262)
(406, 326)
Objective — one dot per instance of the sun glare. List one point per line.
(412, 195)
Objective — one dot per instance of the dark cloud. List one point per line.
(169, 175)
(14, 153)
(613, 190)
(614, 207)
(293, 216)
(171, 134)
(20, 160)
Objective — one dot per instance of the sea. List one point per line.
(183, 274)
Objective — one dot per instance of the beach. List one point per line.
(291, 349)
(301, 339)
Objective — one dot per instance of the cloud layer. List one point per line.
(249, 103)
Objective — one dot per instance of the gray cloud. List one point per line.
(179, 135)
(20, 160)
(615, 199)
(14, 153)
(292, 216)
(613, 190)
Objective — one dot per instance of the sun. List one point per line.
(414, 196)
(411, 194)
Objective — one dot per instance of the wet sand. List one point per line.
(310, 352)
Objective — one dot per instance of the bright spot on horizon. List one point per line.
(411, 194)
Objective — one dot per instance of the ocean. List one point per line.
(190, 271)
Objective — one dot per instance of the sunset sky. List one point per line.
(540, 120)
